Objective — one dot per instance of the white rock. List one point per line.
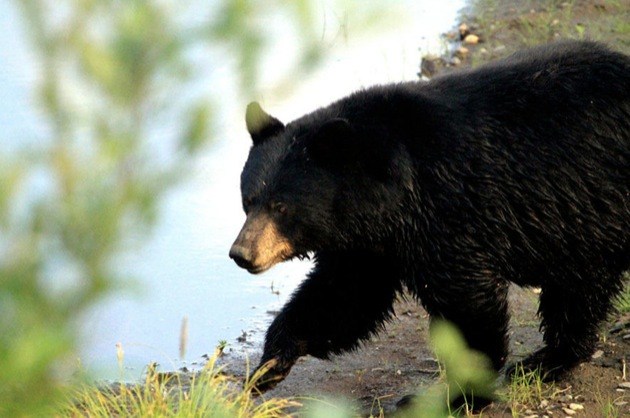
(576, 406)
(624, 385)
(597, 354)
(568, 411)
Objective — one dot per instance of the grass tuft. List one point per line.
(209, 393)
(527, 391)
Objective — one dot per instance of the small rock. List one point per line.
(462, 52)
(568, 411)
(530, 412)
(620, 403)
(543, 404)
(597, 354)
(471, 39)
(626, 337)
(620, 390)
(455, 62)
(483, 51)
(576, 406)
(537, 290)
(619, 326)
(624, 385)
(531, 416)
(555, 22)
(398, 372)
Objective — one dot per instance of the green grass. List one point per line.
(623, 302)
(507, 28)
(209, 394)
(526, 390)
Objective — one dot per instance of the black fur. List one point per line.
(518, 171)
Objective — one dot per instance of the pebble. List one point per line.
(531, 416)
(544, 403)
(462, 52)
(568, 411)
(626, 337)
(576, 406)
(471, 39)
(620, 403)
(597, 354)
(624, 385)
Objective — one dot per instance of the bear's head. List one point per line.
(309, 186)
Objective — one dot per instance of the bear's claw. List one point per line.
(268, 374)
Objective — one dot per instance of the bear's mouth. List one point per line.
(283, 257)
(259, 269)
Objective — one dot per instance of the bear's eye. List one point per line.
(279, 207)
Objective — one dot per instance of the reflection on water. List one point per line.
(183, 270)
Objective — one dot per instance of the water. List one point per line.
(183, 270)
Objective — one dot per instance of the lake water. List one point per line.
(183, 269)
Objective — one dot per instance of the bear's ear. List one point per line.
(334, 143)
(260, 125)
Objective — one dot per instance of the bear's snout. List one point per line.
(241, 256)
(260, 245)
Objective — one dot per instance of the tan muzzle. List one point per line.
(260, 245)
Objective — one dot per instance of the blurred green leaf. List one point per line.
(111, 74)
(198, 128)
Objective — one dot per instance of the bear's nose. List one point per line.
(241, 256)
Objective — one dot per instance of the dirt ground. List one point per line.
(399, 360)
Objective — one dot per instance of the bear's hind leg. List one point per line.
(571, 315)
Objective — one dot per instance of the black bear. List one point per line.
(517, 171)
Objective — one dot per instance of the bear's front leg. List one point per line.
(344, 299)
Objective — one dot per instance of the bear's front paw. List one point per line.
(268, 374)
